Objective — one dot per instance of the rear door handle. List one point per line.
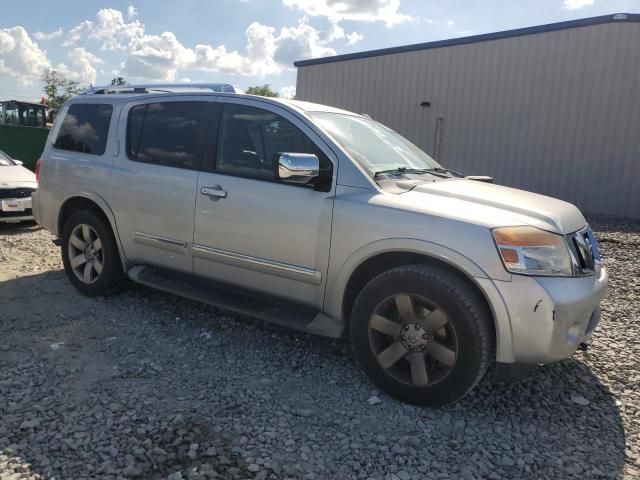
(215, 192)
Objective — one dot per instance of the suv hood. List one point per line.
(495, 205)
(15, 174)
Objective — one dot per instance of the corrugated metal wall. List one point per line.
(556, 112)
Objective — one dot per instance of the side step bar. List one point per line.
(246, 302)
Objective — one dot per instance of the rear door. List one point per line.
(250, 229)
(160, 152)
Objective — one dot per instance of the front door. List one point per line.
(250, 229)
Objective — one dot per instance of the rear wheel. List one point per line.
(90, 255)
(421, 334)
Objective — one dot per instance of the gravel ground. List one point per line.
(148, 385)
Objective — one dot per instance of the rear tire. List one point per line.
(422, 334)
(90, 255)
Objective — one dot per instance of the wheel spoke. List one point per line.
(77, 242)
(404, 304)
(78, 260)
(87, 272)
(384, 325)
(391, 354)
(441, 353)
(418, 368)
(97, 266)
(97, 245)
(434, 321)
(86, 234)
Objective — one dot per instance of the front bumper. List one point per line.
(15, 209)
(550, 317)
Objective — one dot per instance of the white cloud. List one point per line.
(81, 66)
(269, 51)
(576, 4)
(303, 41)
(355, 10)
(20, 56)
(48, 36)
(110, 28)
(353, 38)
(288, 92)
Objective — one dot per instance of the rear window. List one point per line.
(85, 128)
(166, 133)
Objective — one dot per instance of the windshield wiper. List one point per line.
(413, 171)
(444, 170)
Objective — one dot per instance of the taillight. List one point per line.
(38, 170)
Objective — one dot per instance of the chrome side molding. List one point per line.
(294, 272)
(157, 241)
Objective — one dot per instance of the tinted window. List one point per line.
(85, 128)
(251, 138)
(166, 133)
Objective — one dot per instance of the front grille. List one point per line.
(27, 213)
(584, 251)
(16, 192)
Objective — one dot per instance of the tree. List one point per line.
(58, 89)
(118, 81)
(262, 90)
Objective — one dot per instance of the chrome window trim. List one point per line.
(287, 270)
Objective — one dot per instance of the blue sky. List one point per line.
(243, 42)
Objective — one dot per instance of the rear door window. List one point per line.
(85, 128)
(167, 133)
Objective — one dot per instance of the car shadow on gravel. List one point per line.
(19, 228)
(144, 384)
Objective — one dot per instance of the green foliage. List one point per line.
(262, 90)
(58, 89)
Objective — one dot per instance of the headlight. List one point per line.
(531, 251)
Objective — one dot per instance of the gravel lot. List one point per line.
(148, 385)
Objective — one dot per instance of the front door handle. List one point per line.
(215, 192)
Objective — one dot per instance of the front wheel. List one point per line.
(422, 334)
(90, 255)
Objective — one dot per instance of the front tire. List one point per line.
(422, 334)
(90, 255)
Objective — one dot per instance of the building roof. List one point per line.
(24, 102)
(518, 32)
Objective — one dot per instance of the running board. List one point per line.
(246, 302)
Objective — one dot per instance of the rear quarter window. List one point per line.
(85, 128)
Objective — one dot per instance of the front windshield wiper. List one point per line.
(444, 170)
(413, 171)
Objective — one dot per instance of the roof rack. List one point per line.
(161, 87)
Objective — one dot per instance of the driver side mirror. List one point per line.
(18, 162)
(299, 168)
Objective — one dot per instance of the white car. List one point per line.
(16, 186)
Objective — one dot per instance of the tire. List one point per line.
(100, 271)
(405, 324)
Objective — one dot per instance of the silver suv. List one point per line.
(321, 220)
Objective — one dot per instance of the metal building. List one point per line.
(553, 109)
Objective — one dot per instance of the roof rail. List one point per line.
(161, 87)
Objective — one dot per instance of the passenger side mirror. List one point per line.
(300, 168)
(18, 162)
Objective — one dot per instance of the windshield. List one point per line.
(376, 147)
(5, 160)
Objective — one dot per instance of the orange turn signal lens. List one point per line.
(524, 237)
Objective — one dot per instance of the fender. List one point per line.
(104, 206)
(337, 282)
